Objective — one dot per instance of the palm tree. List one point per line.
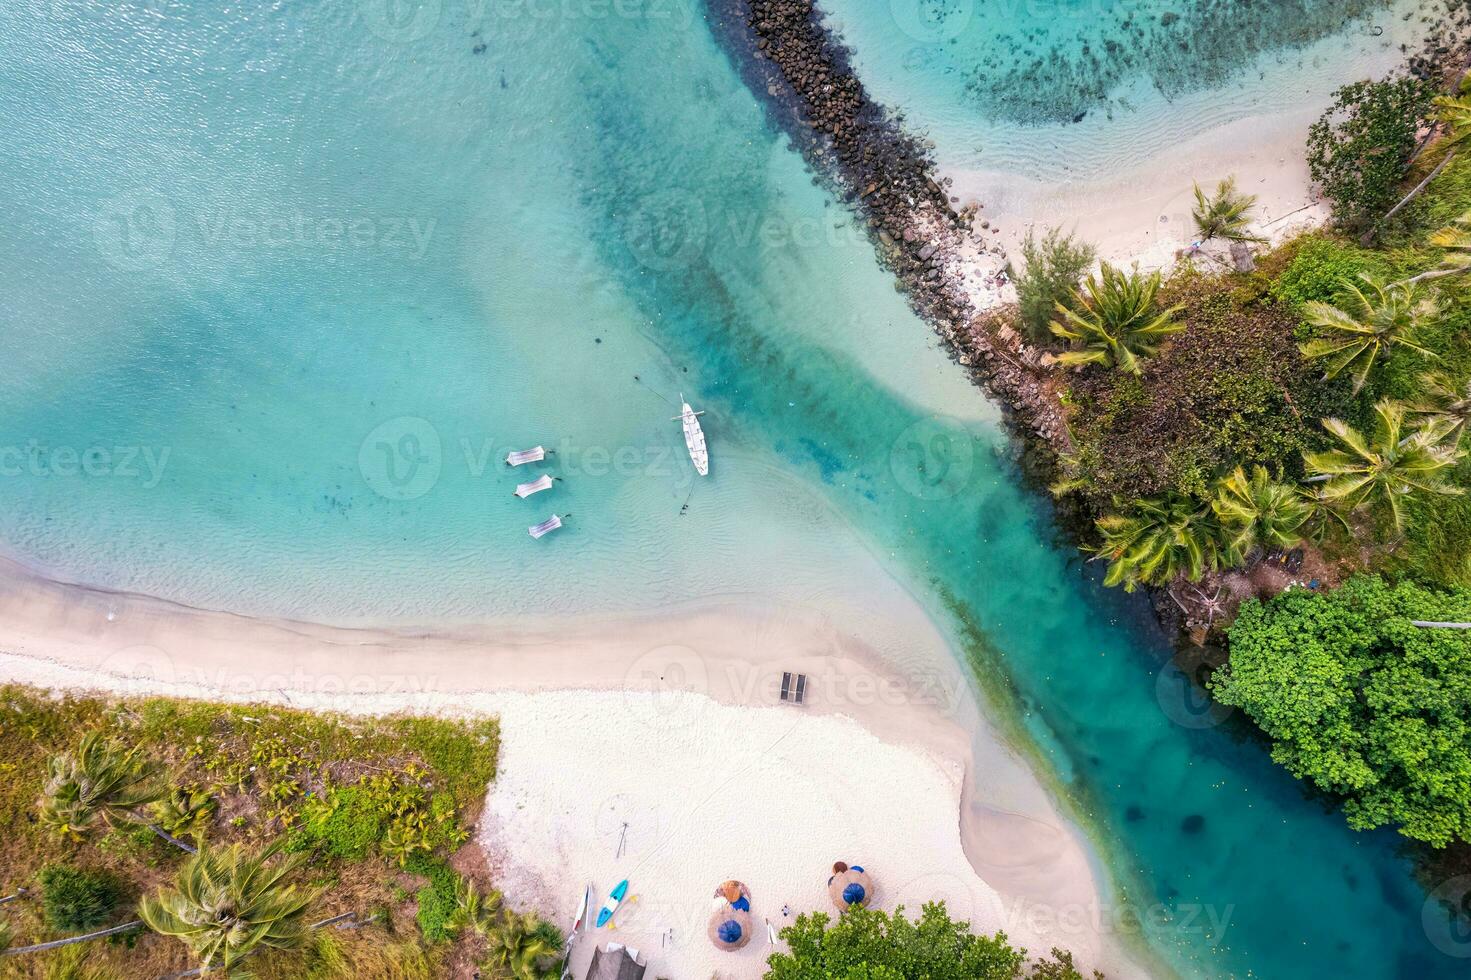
(1454, 112)
(475, 910)
(1161, 538)
(1115, 322)
(1443, 403)
(1259, 512)
(1373, 324)
(1379, 474)
(1226, 215)
(228, 903)
(186, 812)
(1455, 238)
(101, 782)
(525, 947)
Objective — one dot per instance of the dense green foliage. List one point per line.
(1360, 702)
(1318, 269)
(1230, 390)
(865, 944)
(78, 899)
(1053, 268)
(1114, 320)
(1359, 151)
(394, 814)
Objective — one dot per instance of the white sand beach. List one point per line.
(670, 723)
(1124, 179)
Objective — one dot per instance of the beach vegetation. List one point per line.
(228, 903)
(1361, 702)
(1230, 390)
(77, 899)
(871, 943)
(1359, 151)
(219, 775)
(1378, 472)
(99, 783)
(524, 947)
(1226, 214)
(1155, 540)
(1114, 320)
(1259, 512)
(1372, 319)
(1053, 267)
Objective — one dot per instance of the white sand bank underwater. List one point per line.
(669, 722)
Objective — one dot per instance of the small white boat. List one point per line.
(545, 527)
(533, 455)
(524, 490)
(694, 437)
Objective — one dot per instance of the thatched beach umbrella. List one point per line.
(849, 887)
(731, 928)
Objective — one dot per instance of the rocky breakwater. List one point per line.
(937, 248)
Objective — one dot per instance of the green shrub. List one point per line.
(346, 820)
(1359, 150)
(390, 813)
(78, 899)
(436, 899)
(1361, 703)
(1231, 390)
(1054, 266)
(870, 943)
(1318, 270)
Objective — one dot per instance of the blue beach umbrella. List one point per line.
(731, 928)
(850, 887)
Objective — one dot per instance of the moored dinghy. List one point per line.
(694, 437)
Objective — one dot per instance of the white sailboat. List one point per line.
(694, 437)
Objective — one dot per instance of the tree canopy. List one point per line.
(865, 944)
(1360, 702)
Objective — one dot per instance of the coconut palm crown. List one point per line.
(1381, 472)
(227, 903)
(1371, 322)
(98, 782)
(1114, 320)
(1226, 214)
(1259, 512)
(1442, 402)
(1160, 538)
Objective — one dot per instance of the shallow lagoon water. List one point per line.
(335, 262)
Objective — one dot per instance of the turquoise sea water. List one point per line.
(282, 285)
